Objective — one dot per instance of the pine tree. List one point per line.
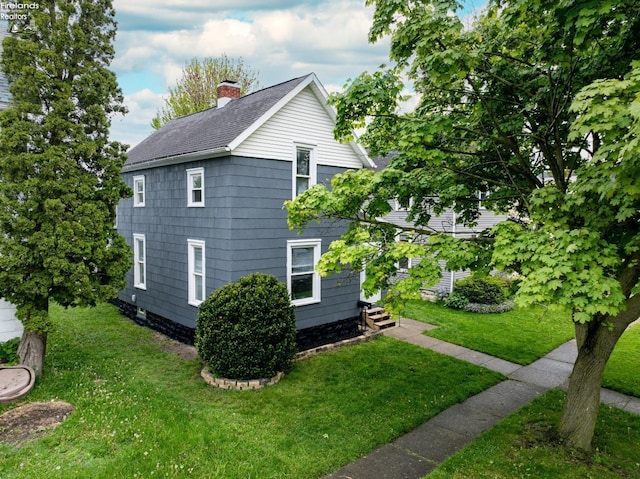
(59, 173)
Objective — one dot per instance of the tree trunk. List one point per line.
(31, 350)
(595, 342)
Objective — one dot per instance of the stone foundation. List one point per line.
(317, 336)
(169, 328)
(306, 339)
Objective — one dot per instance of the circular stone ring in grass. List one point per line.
(238, 385)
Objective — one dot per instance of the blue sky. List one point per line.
(281, 39)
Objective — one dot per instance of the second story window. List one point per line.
(138, 191)
(304, 169)
(195, 187)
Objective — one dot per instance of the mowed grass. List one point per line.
(621, 372)
(525, 445)
(141, 412)
(520, 336)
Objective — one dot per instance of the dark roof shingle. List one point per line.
(210, 129)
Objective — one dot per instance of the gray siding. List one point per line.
(243, 225)
(446, 222)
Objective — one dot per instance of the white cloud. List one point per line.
(281, 39)
(136, 125)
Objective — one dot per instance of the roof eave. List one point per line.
(177, 159)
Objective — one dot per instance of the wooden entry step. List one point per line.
(378, 318)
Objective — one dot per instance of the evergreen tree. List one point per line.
(59, 173)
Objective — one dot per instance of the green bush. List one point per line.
(9, 351)
(483, 290)
(456, 300)
(247, 330)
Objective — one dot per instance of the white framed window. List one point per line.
(139, 261)
(395, 204)
(482, 197)
(404, 264)
(304, 168)
(302, 279)
(138, 191)
(197, 272)
(195, 187)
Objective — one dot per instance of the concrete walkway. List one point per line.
(419, 452)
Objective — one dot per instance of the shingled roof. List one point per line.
(212, 130)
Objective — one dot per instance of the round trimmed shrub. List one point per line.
(247, 329)
(484, 290)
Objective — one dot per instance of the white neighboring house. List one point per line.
(446, 222)
(10, 327)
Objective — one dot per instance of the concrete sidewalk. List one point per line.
(419, 452)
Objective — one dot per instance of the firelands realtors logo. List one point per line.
(16, 11)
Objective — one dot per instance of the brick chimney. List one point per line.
(227, 91)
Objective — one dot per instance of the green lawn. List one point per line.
(520, 336)
(525, 446)
(621, 372)
(141, 412)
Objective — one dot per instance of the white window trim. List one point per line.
(404, 237)
(313, 165)
(316, 244)
(405, 270)
(191, 172)
(136, 203)
(138, 282)
(192, 244)
(482, 200)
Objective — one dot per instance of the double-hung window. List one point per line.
(197, 272)
(302, 279)
(195, 187)
(304, 169)
(140, 261)
(138, 191)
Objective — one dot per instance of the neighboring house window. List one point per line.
(302, 279)
(397, 206)
(140, 262)
(404, 264)
(138, 191)
(482, 197)
(195, 187)
(304, 169)
(197, 271)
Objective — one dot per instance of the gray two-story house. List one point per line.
(207, 208)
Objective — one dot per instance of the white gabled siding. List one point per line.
(304, 120)
(10, 327)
